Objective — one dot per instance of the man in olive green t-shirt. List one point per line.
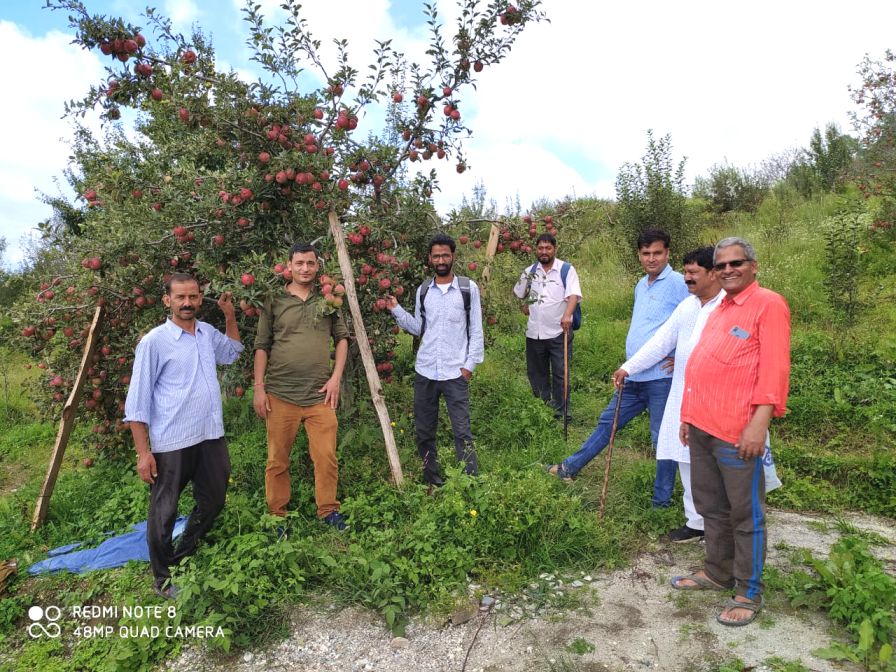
(294, 384)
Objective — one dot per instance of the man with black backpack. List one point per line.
(551, 293)
(448, 320)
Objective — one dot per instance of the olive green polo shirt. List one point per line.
(296, 335)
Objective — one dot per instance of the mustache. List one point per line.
(689, 282)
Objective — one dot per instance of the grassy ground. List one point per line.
(407, 551)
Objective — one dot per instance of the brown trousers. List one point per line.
(730, 495)
(283, 425)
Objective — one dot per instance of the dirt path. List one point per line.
(625, 620)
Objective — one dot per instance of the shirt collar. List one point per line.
(176, 331)
(454, 282)
(555, 268)
(716, 299)
(314, 293)
(741, 297)
(663, 274)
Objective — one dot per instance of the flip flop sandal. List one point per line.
(702, 583)
(557, 470)
(754, 607)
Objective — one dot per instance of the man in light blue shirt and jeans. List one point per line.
(175, 414)
(448, 317)
(657, 294)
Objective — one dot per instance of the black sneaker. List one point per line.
(684, 534)
(335, 519)
(167, 590)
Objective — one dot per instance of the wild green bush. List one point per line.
(844, 236)
(652, 195)
(728, 188)
(861, 595)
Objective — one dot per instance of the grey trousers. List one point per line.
(730, 495)
(426, 420)
(207, 465)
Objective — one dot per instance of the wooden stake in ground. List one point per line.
(69, 412)
(373, 379)
(490, 250)
(603, 492)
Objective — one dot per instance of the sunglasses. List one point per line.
(737, 263)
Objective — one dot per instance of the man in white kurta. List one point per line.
(681, 332)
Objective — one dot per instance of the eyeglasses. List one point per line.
(737, 263)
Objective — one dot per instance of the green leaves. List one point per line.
(862, 596)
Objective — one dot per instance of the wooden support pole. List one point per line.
(490, 249)
(66, 424)
(373, 379)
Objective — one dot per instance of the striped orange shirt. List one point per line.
(741, 361)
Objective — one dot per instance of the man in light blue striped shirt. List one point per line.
(174, 410)
(448, 315)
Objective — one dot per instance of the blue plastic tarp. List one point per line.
(113, 552)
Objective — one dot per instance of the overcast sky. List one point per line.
(573, 101)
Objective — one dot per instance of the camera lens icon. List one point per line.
(38, 614)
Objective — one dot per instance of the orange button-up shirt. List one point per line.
(741, 361)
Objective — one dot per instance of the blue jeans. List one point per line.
(636, 397)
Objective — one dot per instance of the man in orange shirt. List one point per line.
(736, 380)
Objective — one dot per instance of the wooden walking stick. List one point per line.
(565, 385)
(603, 492)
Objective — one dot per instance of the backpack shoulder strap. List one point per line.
(529, 278)
(564, 271)
(422, 290)
(463, 283)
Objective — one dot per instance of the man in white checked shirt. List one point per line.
(174, 410)
(681, 332)
(552, 291)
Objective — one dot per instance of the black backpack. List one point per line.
(564, 271)
(463, 283)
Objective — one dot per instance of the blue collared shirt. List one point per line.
(174, 385)
(445, 348)
(654, 304)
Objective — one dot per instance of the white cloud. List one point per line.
(183, 13)
(32, 133)
(726, 81)
(508, 170)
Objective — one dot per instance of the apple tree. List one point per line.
(876, 122)
(216, 176)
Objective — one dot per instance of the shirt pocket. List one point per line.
(453, 312)
(737, 347)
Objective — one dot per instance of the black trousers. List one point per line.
(426, 420)
(207, 465)
(544, 366)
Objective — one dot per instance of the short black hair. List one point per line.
(702, 256)
(442, 239)
(301, 248)
(180, 277)
(546, 238)
(649, 236)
